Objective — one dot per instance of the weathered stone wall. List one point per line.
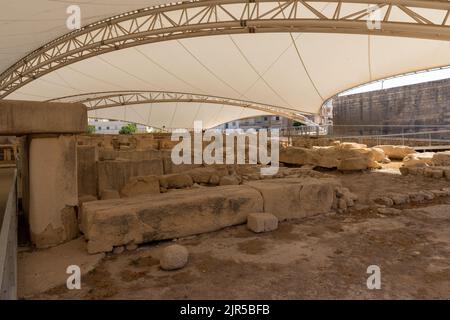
(414, 105)
(114, 174)
(87, 157)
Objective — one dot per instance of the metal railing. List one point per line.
(8, 246)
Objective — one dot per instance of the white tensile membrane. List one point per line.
(299, 71)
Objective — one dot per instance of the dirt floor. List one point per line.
(319, 257)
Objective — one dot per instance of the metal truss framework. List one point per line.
(216, 17)
(101, 100)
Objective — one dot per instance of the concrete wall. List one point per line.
(414, 105)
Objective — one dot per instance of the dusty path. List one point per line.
(320, 257)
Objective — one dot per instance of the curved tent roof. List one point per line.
(289, 54)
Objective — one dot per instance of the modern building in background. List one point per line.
(261, 122)
(113, 126)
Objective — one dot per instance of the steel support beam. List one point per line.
(102, 100)
(217, 17)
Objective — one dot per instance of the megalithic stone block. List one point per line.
(27, 117)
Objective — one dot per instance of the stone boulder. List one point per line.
(396, 152)
(418, 159)
(141, 185)
(379, 155)
(174, 257)
(262, 222)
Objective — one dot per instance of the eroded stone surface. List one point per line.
(141, 185)
(262, 222)
(293, 198)
(174, 257)
(166, 216)
(396, 152)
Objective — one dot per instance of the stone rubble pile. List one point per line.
(428, 164)
(394, 199)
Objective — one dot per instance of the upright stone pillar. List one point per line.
(53, 189)
(52, 164)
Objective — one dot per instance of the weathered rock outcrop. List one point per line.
(396, 152)
(418, 159)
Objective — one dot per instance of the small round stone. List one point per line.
(118, 250)
(174, 257)
(132, 247)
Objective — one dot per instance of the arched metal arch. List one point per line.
(215, 17)
(102, 100)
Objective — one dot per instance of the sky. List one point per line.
(423, 76)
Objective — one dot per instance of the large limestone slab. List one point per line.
(295, 198)
(25, 117)
(166, 216)
(328, 157)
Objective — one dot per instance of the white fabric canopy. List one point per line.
(293, 70)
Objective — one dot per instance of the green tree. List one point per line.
(90, 129)
(297, 124)
(128, 129)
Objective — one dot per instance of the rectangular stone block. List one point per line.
(297, 197)
(53, 190)
(115, 174)
(262, 222)
(26, 117)
(87, 157)
(166, 216)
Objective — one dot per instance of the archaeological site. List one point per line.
(225, 150)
